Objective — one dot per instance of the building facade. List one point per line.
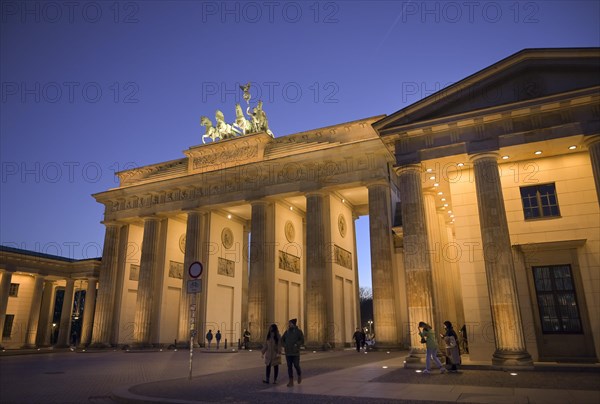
(483, 205)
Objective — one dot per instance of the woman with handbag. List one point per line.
(428, 338)
(452, 350)
(271, 352)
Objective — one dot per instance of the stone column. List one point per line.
(64, 329)
(88, 313)
(593, 144)
(195, 251)
(261, 266)
(451, 255)
(119, 282)
(441, 284)
(145, 292)
(419, 284)
(318, 237)
(358, 318)
(245, 279)
(159, 281)
(103, 321)
(34, 312)
(45, 324)
(499, 266)
(4, 291)
(382, 264)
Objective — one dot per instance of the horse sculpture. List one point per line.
(241, 123)
(225, 130)
(211, 131)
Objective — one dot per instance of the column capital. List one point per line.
(112, 223)
(408, 168)
(260, 202)
(199, 209)
(591, 140)
(484, 155)
(379, 183)
(320, 193)
(151, 218)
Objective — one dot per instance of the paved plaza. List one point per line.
(328, 377)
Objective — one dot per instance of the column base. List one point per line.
(415, 355)
(140, 346)
(318, 346)
(99, 345)
(512, 360)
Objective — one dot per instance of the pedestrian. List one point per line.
(363, 341)
(465, 340)
(271, 352)
(246, 338)
(357, 337)
(452, 350)
(428, 338)
(209, 337)
(218, 338)
(292, 339)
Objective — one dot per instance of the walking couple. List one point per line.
(450, 341)
(291, 341)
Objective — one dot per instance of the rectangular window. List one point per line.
(14, 290)
(8, 323)
(540, 201)
(556, 299)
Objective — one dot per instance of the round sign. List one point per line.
(195, 270)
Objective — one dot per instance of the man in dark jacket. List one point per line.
(292, 339)
(358, 338)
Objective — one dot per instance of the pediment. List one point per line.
(526, 75)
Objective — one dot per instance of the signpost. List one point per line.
(194, 286)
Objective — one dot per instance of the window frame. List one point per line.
(13, 290)
(539, 204)
(8, 326)
(554, 293)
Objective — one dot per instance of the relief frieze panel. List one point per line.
(219, 159)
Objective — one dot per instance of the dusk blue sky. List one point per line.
(94, 87)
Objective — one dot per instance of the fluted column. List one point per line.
(4, 291)
(593, 144)
(103, 320)
(356, 282)
(419, 285)
(145, 292)
(382, 264)
(318, 237)
(245, 279)
(441, 284)
(195, 245)
(45, 324)
(260, 283)
(64, 329)
(499, 266)
(34, 312)
(119, 283)
(449, 256)
(88, 312)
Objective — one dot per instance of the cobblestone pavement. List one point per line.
(328, 377)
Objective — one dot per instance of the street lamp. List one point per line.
(370, 322)
(53, 332)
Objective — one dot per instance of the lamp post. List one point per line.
(53, 332)
(370, 322)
